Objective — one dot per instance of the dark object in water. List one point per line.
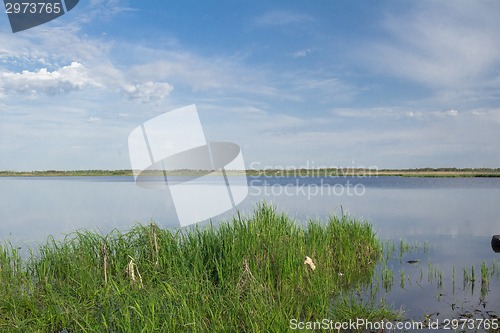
(413, 261)
(495, 243)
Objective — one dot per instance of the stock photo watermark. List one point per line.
(204, 178)
(296, 188)
(310, 169)
(366, 325)
(25, 15)
(175, 141)
(355, 325)
(273, 181)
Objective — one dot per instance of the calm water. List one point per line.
(454, 217)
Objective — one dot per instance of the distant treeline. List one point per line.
(442, 172)
(446, 170)
(74, 173)
(323, 172)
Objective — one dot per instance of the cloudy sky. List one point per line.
(294, 83)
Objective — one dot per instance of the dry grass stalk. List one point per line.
(308, 261)
(104, 251)
(247, 269)
(131, 269)
(246, 276)
(153, 226)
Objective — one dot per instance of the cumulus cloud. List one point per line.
(38, 64)
(392, 112)
(77, 77)
(147, 91)
(94, 119)
(301, 53)
(64, 80)
(373, 112)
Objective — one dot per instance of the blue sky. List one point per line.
(294, 83)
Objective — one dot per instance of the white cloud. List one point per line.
(392, 113)
(64, 80)
(195, 72)
(489, 115)
(439, 44)
(251, 100)
(94, 119)
(36, 64)
(77, 77)
(148, 91)
(436, 138)
(452, 113)
(301, 53)
(151, 72)
(102, 10)
(52, 47)
(221, 75)
(374, 112)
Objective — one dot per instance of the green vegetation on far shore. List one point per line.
(442, 172)
(320, 172)
(247, 275)
(60, 173)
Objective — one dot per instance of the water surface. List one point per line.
(454, 217)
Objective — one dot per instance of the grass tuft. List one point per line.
(247, 275)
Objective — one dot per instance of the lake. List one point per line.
(445, 226)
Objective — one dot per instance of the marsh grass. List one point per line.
(411, 261)
(247, 275)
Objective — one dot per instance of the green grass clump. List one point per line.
(244, 276)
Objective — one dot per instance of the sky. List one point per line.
(384, 84)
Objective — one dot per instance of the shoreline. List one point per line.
(422, 172)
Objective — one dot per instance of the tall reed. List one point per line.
(241, 276)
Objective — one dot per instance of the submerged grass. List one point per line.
(247, 275)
